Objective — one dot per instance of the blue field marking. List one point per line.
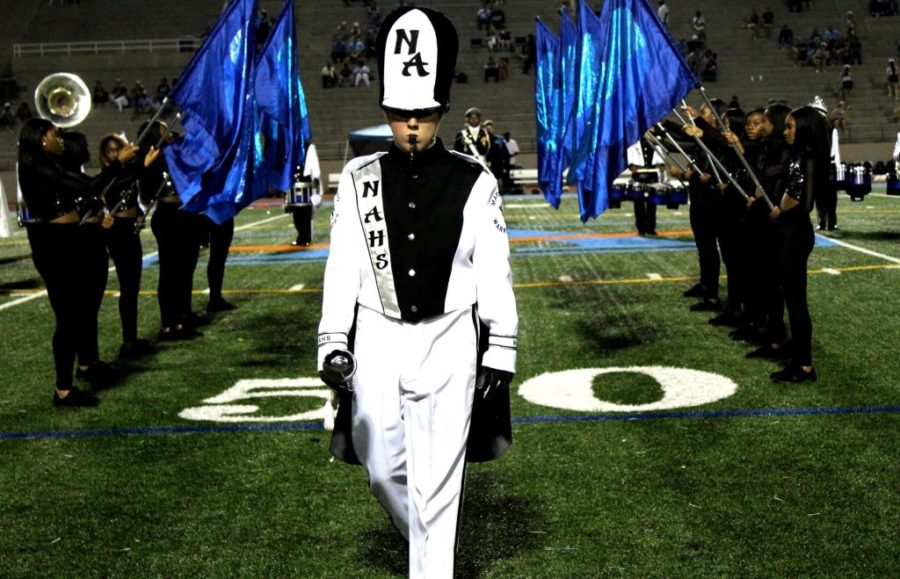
(308, 426)
(554, 246)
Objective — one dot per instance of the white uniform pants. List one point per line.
(412, 407)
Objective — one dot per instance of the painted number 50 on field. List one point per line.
(566, 390)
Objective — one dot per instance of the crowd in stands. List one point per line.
(704, 62)
(138, 98)
(351, 47)
(821, 49)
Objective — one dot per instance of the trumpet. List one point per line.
(63, 99)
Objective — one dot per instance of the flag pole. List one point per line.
(678, 148)
(715, 161)
(152, 120)
(709, 155)
(660, 147)
(736, 148)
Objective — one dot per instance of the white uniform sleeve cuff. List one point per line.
(328, 343)
(500, 358)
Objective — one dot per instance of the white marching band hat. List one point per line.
(417, 50)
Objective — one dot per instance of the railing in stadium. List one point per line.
(105, 47)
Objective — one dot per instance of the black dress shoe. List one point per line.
(745, 332)
(793, 374)
(695, 291)
(182, 333)
(99, 374)
(728, 318)
(195, 321)
(75, 398)
(220, 305)
(706, 306)
(136, 349)
(832, 228)
(767, 352)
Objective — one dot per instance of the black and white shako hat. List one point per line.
(417, 50)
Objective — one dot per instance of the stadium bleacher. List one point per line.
(334, 112)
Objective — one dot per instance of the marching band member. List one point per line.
(473, 139)
(419, 257)
(643, 155)
(124, 245)
(177, 235)
(806, 133)
(52, 195)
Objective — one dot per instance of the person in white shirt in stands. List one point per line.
(513, 147)
(663, 12)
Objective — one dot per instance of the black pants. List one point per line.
(178, 239)
(826, 207)
(645, 216)
(220, 236)
(56, 250)
(96, 272)
(703, 215)
(764, 300)
(796, 244)
(124, 246)
(732, 233)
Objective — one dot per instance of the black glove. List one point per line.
(338, 369)
(490, 381)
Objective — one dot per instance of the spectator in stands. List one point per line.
(512, 148)
(498, 157)
(795, 5)
(329, 76)
(498, 18)
(346, 76)
(891, 75)
(850, 23)
(163, 89)
(710, 66)
(356, 48)
(491, 70)
(99, 95)
(753, 23)
(506, 41)
(23, 113)
(785, 37)
(529, 53)
(338, 50)
(120, 95)
(483, 17)
(820, 57)
(492, 39)
(846, 84)
(768, 21)
(838, 117)
(7, 117)
(361, 73)
(854, 51)
(663, 12)
(503, 68)
(698, 23)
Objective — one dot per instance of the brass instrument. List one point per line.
(63, 99)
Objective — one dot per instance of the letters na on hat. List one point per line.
(417, 50)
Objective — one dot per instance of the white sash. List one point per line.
(370, 204)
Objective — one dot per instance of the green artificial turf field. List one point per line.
(646, 444)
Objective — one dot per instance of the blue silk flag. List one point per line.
(209, 163)
(548, 114)
(284, 122)
(568, 47)
(642, 77)
(588, 68)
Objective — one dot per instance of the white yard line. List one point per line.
(42, 293)
(863, 250)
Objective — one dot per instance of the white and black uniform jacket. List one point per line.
(418, 239)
